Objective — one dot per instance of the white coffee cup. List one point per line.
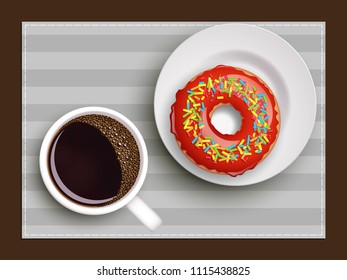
(144, 213)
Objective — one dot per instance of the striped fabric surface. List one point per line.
(70, 65)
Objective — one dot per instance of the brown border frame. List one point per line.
(13, 247)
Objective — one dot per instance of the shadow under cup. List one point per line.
(93, 160)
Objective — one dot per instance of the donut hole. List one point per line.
(226, 119)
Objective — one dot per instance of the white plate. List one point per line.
(261, 52)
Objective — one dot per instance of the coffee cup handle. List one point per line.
(144, 213)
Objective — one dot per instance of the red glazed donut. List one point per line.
(198, 138)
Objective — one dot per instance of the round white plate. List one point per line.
(266, 55)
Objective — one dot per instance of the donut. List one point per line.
(202, 143)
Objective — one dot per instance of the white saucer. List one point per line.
(261, 52)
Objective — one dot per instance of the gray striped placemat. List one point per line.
(116, 65)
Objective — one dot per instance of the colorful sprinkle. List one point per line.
(261, 139)
(265, 112)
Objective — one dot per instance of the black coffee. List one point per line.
(94, 160)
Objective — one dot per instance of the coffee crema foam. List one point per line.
(126, 152)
